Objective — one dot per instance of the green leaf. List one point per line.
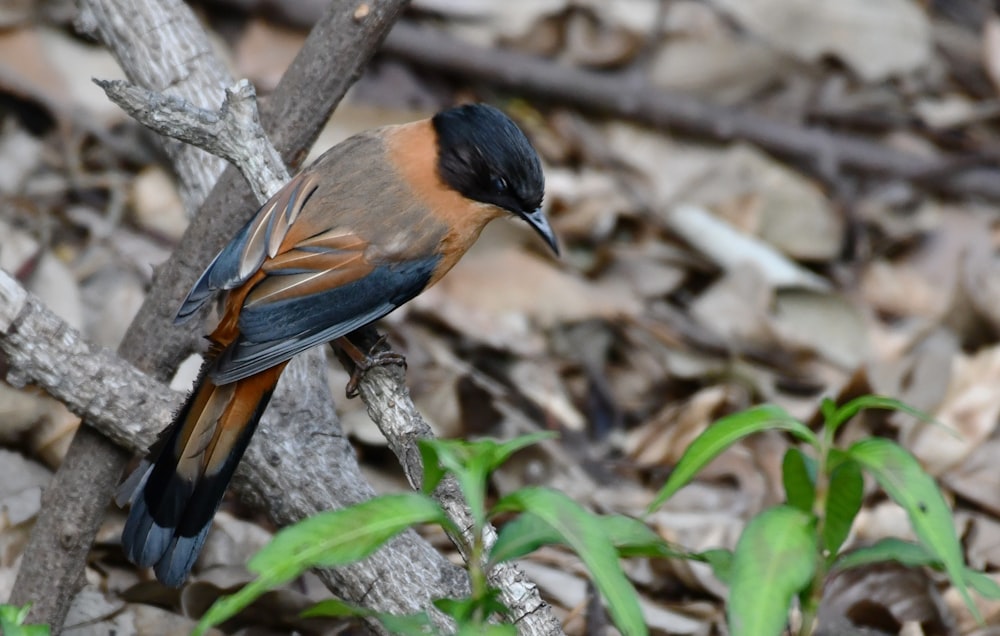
(838, 417)
(334, 607)
(433, 470)
(798, 473)
(471, 463)
(461, 609)
(505, 450)
(721, 562)
(411, 625)
(327, 539)
(902, 478)
(775, 558)
(890, 549)
(522, 536)
(12, 619)
(631, 537)
(468, 610)
(984, 585)
(827, 409)
(584, 533)
(843, 501)
(913, 555)
(723, 434)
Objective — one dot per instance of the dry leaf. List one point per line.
(503, 297)
(969, 410)
(921, 282)
(21, 485)
(20, 157)
(265, 50)
(877, 40)
(76, 64)
(541, 383)
(977, 479)
(593, 202)
(725, 68)
(590, 41)
(822, 322)
(112, 298)
(883, 596)
(731, 249)
(157, 206)
(25, 68)
(991, 49)
(666, 435)
(50, 279)
(736, 308)
(762, 197)
(91, 612)
(669, 167)
(231, 542)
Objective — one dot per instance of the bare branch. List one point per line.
(233, 132)
(148, 38)
(385, 393)
(299, 466)
(388, 590)
(629, 98)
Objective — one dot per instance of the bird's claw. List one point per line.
(372, 359)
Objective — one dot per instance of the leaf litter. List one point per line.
(697, 279)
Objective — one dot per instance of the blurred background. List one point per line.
(758, 201)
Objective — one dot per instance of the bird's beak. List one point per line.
(540, 224)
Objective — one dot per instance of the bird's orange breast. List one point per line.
(412, 149)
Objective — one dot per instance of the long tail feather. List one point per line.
(176, 491)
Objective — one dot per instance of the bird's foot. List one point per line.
(365, 361)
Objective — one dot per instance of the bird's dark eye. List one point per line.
(499, 184)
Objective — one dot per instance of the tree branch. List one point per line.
(313, 398)
(298, 465)
(161, 45)
(630, 97)
(385, 394)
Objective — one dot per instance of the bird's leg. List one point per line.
(375, 357)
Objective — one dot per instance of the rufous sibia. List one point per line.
(373, 222)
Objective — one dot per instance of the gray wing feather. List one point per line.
(271, 333)
(255, 241)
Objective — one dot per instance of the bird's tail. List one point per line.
(177, 489)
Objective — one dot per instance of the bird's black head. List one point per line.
(484, 156)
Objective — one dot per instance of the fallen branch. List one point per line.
(629, 97)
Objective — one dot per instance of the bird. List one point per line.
(372, 223)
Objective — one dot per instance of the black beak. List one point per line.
(540, 224)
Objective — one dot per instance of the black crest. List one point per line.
(484, 155)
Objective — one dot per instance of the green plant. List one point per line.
(786, 552)
(544, 516)
(12, 620)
